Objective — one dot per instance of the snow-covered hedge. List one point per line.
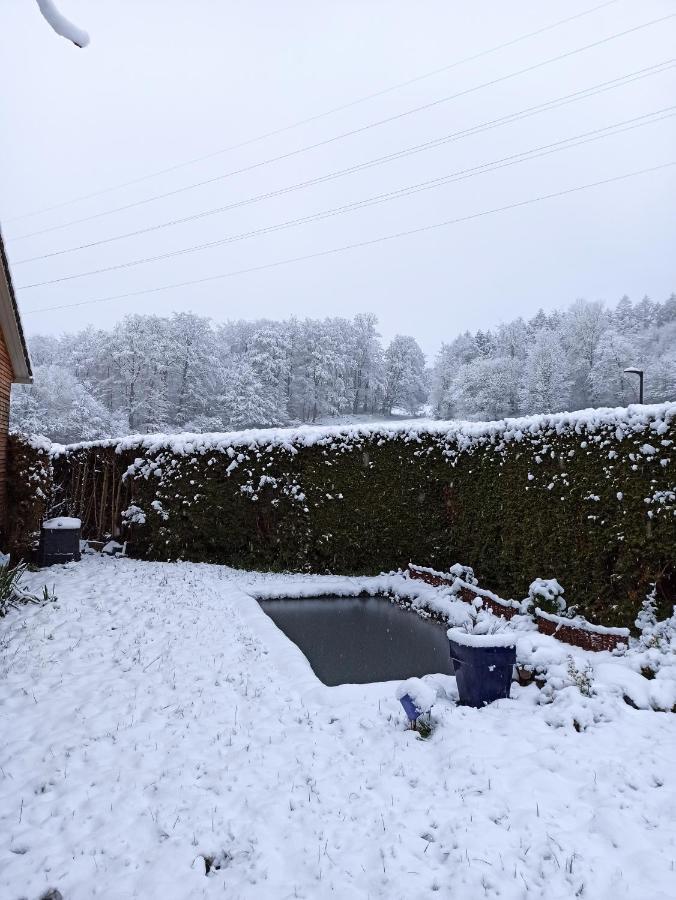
(588, 498)
(29, 489)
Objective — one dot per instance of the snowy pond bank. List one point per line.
(161, 738)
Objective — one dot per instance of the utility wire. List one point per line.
(526, 155)
(359, 244)
(345, 134)
(592, 91)
(322, 115)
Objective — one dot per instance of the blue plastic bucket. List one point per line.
(483, 674)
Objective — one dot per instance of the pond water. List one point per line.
(357, 640)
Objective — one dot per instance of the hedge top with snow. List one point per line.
(586, 497)
(457, 435)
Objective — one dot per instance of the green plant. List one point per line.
(482, 621)
(11, 592)
(547, 594)
(583, 678)
(29, 491)
(423, 725)
(577, 498)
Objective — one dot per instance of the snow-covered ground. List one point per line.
(155, 716)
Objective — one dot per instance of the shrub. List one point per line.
(547, 594)
(587, 495)
(29, 491)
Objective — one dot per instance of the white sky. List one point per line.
(164, 81)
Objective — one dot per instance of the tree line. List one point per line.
(185, 373)
(570, 359)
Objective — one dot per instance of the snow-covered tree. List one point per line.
(268, 351)
(405, 382)
(183, 373)
(546, 382)
(487, 388)
(365, 372)
(193, 364)
(243, 403)
(609, 386)
(583, 327)
(59, 404)
(441, 378)
(512, 339)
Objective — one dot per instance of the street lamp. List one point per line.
(638, 372)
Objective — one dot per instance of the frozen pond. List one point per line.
(361, 639)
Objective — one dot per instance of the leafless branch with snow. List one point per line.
(62, 25)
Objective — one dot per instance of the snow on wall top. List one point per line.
(462, 434)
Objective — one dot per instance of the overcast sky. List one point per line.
(165, 81)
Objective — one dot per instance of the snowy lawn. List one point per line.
(155, 717)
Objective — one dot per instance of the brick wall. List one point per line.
(5, 385)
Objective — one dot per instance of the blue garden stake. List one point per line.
(416, 697)
(410, 709)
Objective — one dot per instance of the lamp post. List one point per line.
(638, 372)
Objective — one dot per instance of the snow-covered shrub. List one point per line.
(481, 620)
(464, 573)
(646, 620)
(547, 594)
(577, 494)
(9, 582)
(582, 678)
(12, 594)
(655, 635)
(134, 515)
(29, 491)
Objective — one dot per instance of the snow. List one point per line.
(582, 623)
(422, 694)
(548, 589)
(469, 639)
(461, 435)
(62, 25)
(470, 585)
(330, 371)
(155, 719)
(112, 547)
(67, 523)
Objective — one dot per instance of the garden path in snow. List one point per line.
(154, 717)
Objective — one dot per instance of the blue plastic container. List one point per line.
(483, 674)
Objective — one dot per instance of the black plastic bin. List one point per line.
(483, 673)
(59, 541)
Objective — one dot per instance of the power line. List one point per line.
(322, 115)
(513, 159)
(592, 91)
(350, 133)
(359, 244)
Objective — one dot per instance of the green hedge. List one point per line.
(29, 491)
(588, 498)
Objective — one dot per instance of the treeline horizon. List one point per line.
(183, 372)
